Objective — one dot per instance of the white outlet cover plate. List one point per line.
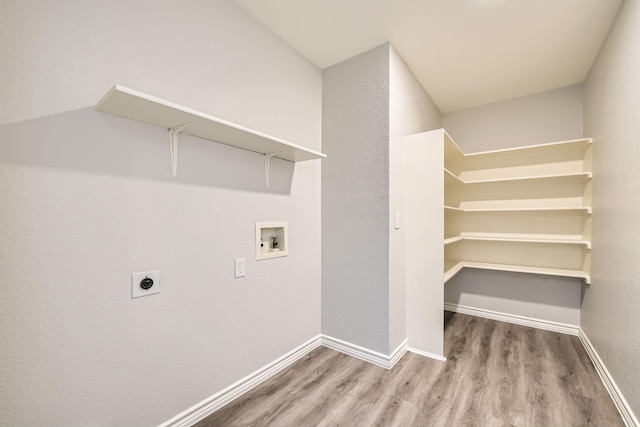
(136, 278)
(239, 267)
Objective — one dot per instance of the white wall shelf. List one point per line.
(578, 176)
(453, 267)
(131, 104)
(581, 209)
(525, 209)
(522, 238)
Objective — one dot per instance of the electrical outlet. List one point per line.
(239, 264)
(145, 283)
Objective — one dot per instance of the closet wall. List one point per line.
(610, 315)
(535, 119)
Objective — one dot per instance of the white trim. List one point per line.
(623, 407)
(398, 353)
(547, 325)
(208, 406)
(427, 354)
(365, 354)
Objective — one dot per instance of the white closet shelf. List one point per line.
(582, 210)
(452, 239)
(519, 238)
(572, 144)
(579, 176)
(131, 104)
(453, 267)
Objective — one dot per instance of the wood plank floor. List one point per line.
(496, 374)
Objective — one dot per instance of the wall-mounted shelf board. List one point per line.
(580, 144)
(454, 153)
(580, 176)
(131, 104)
(583, 210)
(522, 238)
(453, 267)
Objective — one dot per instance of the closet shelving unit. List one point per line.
(525, 209)
(132, 104)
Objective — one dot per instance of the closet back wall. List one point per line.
(87, 198)
(544, 117)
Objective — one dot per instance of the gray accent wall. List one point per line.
(370, 102)
(355, 200)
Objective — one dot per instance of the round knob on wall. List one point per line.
(146, 283)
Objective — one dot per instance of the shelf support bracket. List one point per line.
(173, 145)
(267, 160)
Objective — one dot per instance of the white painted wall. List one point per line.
(424, 162)
(355, 200)
(411, 110)
(610, 316)
(87, 198)
(535, 119)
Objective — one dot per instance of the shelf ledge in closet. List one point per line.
(519, 238)
(583, 209)
(132, 104)
(578, 176)
(453, 267)
(571, 144)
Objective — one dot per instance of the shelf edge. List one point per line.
(577, 274)
(119, 89)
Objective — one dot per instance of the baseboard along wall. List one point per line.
(546, 325)
(623, 407)
(379, 359)
(210, 405)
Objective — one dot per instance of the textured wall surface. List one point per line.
(87, 198)
(411, 111)
(610, 316)
(534, 119)
(355, 200)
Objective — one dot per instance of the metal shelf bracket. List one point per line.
(173, 145)
(267, 160)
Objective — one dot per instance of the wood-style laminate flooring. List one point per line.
(496, 374)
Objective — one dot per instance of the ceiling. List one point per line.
(464, 52)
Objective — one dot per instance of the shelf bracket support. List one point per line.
(267, 166)
(173, 145)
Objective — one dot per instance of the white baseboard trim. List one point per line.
(208, 406)
(427, 354)
(398, 353)
(379, 359)
(546, 325)
(623, 407)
